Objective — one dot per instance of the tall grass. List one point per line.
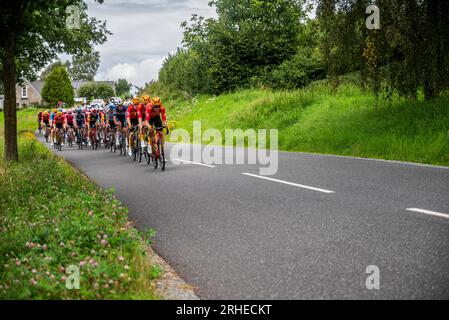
(344, 122)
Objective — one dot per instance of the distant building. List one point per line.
(29, 93)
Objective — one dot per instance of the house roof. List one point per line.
(39, 84)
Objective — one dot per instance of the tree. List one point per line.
(96, 90)
(32, 33)
(52, 66)
(247, 38)
(408, 55)
(123, 87)
(84, 67)
(58, 87)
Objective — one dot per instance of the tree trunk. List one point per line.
(10, 111)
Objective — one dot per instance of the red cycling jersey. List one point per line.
(69, 118)
(154, 112)
(46, 117)
(58, 120)
(141, 110)
(133, 112)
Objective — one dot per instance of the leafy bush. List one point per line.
(58, 86)
(96, 91)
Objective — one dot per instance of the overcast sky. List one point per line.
(144, 32)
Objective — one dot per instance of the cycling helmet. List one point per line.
(59, 114)
(146, 98)
(136, 100)
(55, 110)
(157, 102)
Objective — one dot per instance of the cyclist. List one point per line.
(109, 119)
(146, 101)
(156, 117)
(132, 118)
(80, 120)
(69, 121)
(52, 118)
(39, 121)
(120, 120)
(92, 121)
(58, 124)
(45, 122)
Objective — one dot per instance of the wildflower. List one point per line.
(62, 269)
(18, 262)
(44, 247)
(82, 263)
(121, 259)
(126, 267)
(63, 278)
(33, 282)
(34, 271)
(104, 242)
(61, 244)
(106, 286)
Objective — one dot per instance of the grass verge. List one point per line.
(51, 218)
(317, 120)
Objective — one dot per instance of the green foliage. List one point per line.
(39, 30)
(410, 53)
(123, 87)
(320, 120)
(58, 87)
(85, 66)
(96, 90)
(248, 38)
(44, 74)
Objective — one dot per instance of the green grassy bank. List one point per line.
(51, 218)
(317, 120)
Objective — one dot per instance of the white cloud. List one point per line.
(144, 32)
(138, 73)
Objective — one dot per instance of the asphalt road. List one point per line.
(236, 236)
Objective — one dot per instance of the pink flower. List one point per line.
(91, 213)
(62, 269)
(34, 271)
(121, 259)
(82, 263)
(106, 286)
(63, 278)
(104, 242)
(44, 247)
(105, 236)
(17, 262)
(33, 282)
